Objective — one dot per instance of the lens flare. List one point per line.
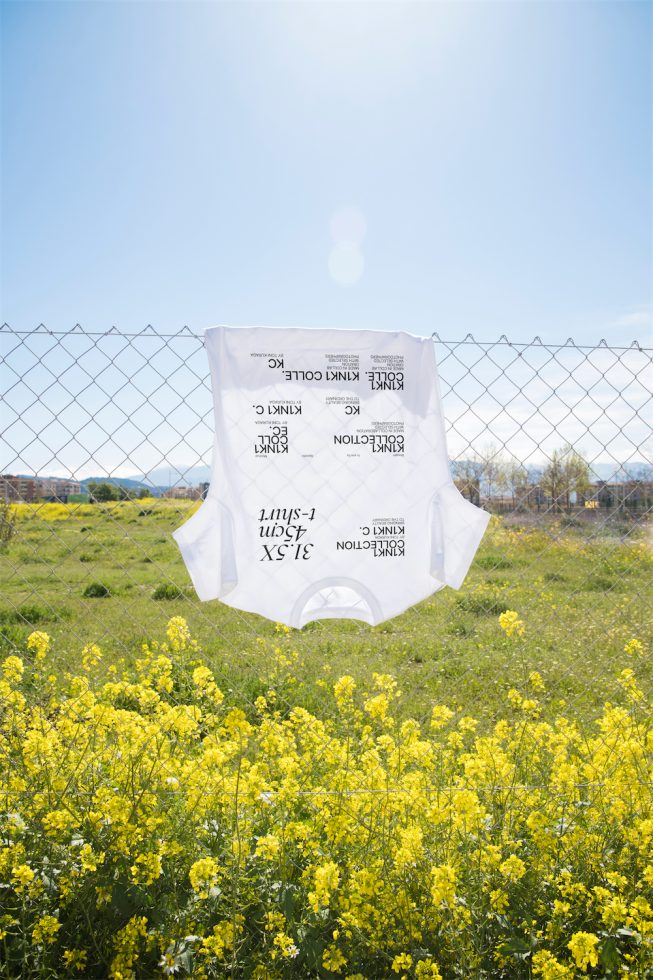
(346, 263)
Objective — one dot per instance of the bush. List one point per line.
(569, 521)
(600, 583)
(96, 590)
(154, 825)
(7, 522)
(493, 562)
(484, 600)
(166, 590)
(31, 614)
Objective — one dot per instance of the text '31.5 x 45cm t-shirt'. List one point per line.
(330, 493)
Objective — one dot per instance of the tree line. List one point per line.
(103, 492)
(495, 473)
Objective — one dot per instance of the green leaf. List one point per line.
(186, 960)
(516, 947)
(609, 955)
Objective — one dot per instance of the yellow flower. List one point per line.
(403, 961)
(536, 682)
(274, 920)
(634, 648)
(13, 668)
(443, 885)
(628, 683)
(38, 643)
(128, 940)
(268, 847)
(440, 716)
(515, 698)
(146, 869)
(204, 876)
(201, 677)
(222, 939)
(583, 947)
(614, 912)
(332, 959)
(21, 876)
(75, 959)
(499, 900)
(103, 895)
(427, 970)
(343, 689)
(284, 946)
(386, 683)
(57, 823)
(467, 724)
(547, 967)
(366, 810)
(511, 624)
(513, 868)
(205, 683)
(410, 849)
(178, 634)
(89, 860)
(91, 656)
(326, 880)
(377, 706)
(45, 931)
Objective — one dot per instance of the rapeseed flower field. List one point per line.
(152, 827)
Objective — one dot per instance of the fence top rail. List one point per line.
(186, 332)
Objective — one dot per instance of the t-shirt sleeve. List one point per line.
(206, 544)
(457, 527)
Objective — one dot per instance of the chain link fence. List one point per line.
(105, 449)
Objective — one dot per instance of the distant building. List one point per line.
(635, 494)
(55, 489)
(26, 489)
(182, 493)
(21, 489)
(529, 497)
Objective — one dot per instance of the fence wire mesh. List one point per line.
(479, 715)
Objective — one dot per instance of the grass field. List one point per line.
(582, 589)
(462, 792)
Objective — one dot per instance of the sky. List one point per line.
(448, 168)
(480, 167)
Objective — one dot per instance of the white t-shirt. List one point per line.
(331, 494)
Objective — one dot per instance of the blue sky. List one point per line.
(449, 167)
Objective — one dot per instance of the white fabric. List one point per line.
(331, 493)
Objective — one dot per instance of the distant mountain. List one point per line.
(127, 482)
(164, 477)
(170, 476)
(609, 472)
(133, 483)
(616, 472)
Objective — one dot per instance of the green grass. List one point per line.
(582, 590)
